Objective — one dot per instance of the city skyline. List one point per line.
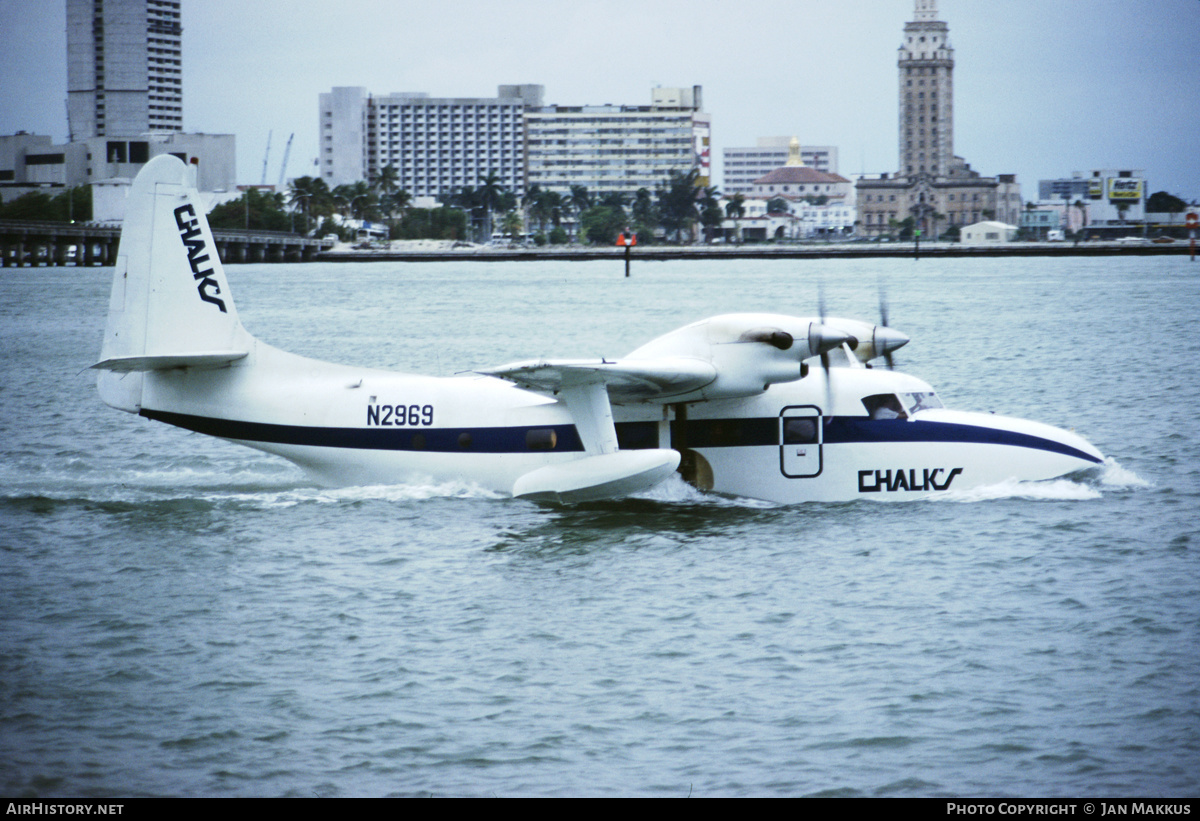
(1042, 90)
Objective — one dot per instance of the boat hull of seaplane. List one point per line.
(767, 406)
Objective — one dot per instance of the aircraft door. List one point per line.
(801, 433)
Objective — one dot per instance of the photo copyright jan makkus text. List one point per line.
(1099, 808)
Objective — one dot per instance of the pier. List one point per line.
(61, 243)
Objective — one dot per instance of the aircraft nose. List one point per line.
(822, 338)
(888, 339)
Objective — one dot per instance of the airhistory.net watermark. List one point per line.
(45, 808)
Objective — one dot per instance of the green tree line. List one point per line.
(69, 205)
(674, 209)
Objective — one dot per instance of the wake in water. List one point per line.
(267, 484)
(674, 490)
(259, 483)
(1089, 485)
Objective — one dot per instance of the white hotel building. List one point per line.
(441, 145)
(438, 145)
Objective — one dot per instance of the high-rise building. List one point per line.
(933, 186)
(619, 148)
(124, 68)
(745, 165)
(124, 107)
(438, 145)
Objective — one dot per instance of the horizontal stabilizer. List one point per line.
(163, 362)
(629, 380)
(608, 476)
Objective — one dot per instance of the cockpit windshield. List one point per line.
(899, 405)
(920, 401)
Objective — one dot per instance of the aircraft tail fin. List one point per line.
(170, 306)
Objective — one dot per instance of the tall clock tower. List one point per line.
(932, 191)
(926, 63)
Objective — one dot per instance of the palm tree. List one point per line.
(491, 195)
(510, 224)
(545, 205)
(355, 199)
(387, 180)
(677, 202)
(535, 207)
(645, 216)
(313, 197)
(735, 209)
(710, 211)
(580, 200)
(554, 205)
(467, 199)
(399, 201)
(614, 200)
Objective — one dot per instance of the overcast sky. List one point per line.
(1042, 87)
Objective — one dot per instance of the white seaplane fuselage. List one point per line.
(739, 404)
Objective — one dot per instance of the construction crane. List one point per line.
(266, 155)
(283, 167)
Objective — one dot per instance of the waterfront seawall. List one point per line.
(645, 253)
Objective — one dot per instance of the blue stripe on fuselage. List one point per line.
(758, 432)
(446, 440)
(852, 429)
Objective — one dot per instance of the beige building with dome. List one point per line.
(796, 181)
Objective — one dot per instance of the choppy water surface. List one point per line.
(180, 616)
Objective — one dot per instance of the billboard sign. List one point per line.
(1125, 188)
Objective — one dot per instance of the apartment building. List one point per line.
(619, 148)
(437, 145)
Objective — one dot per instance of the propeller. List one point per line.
(886, 339)
(825, 354)
(883, 320)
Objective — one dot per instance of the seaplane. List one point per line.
(757, 405)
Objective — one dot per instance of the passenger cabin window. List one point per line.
(800, 431)
(541, 439)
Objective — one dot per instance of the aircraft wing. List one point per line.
(629, 380)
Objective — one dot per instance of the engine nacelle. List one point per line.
(748, 351)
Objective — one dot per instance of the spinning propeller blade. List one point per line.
(825, 354)
(883, 321)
